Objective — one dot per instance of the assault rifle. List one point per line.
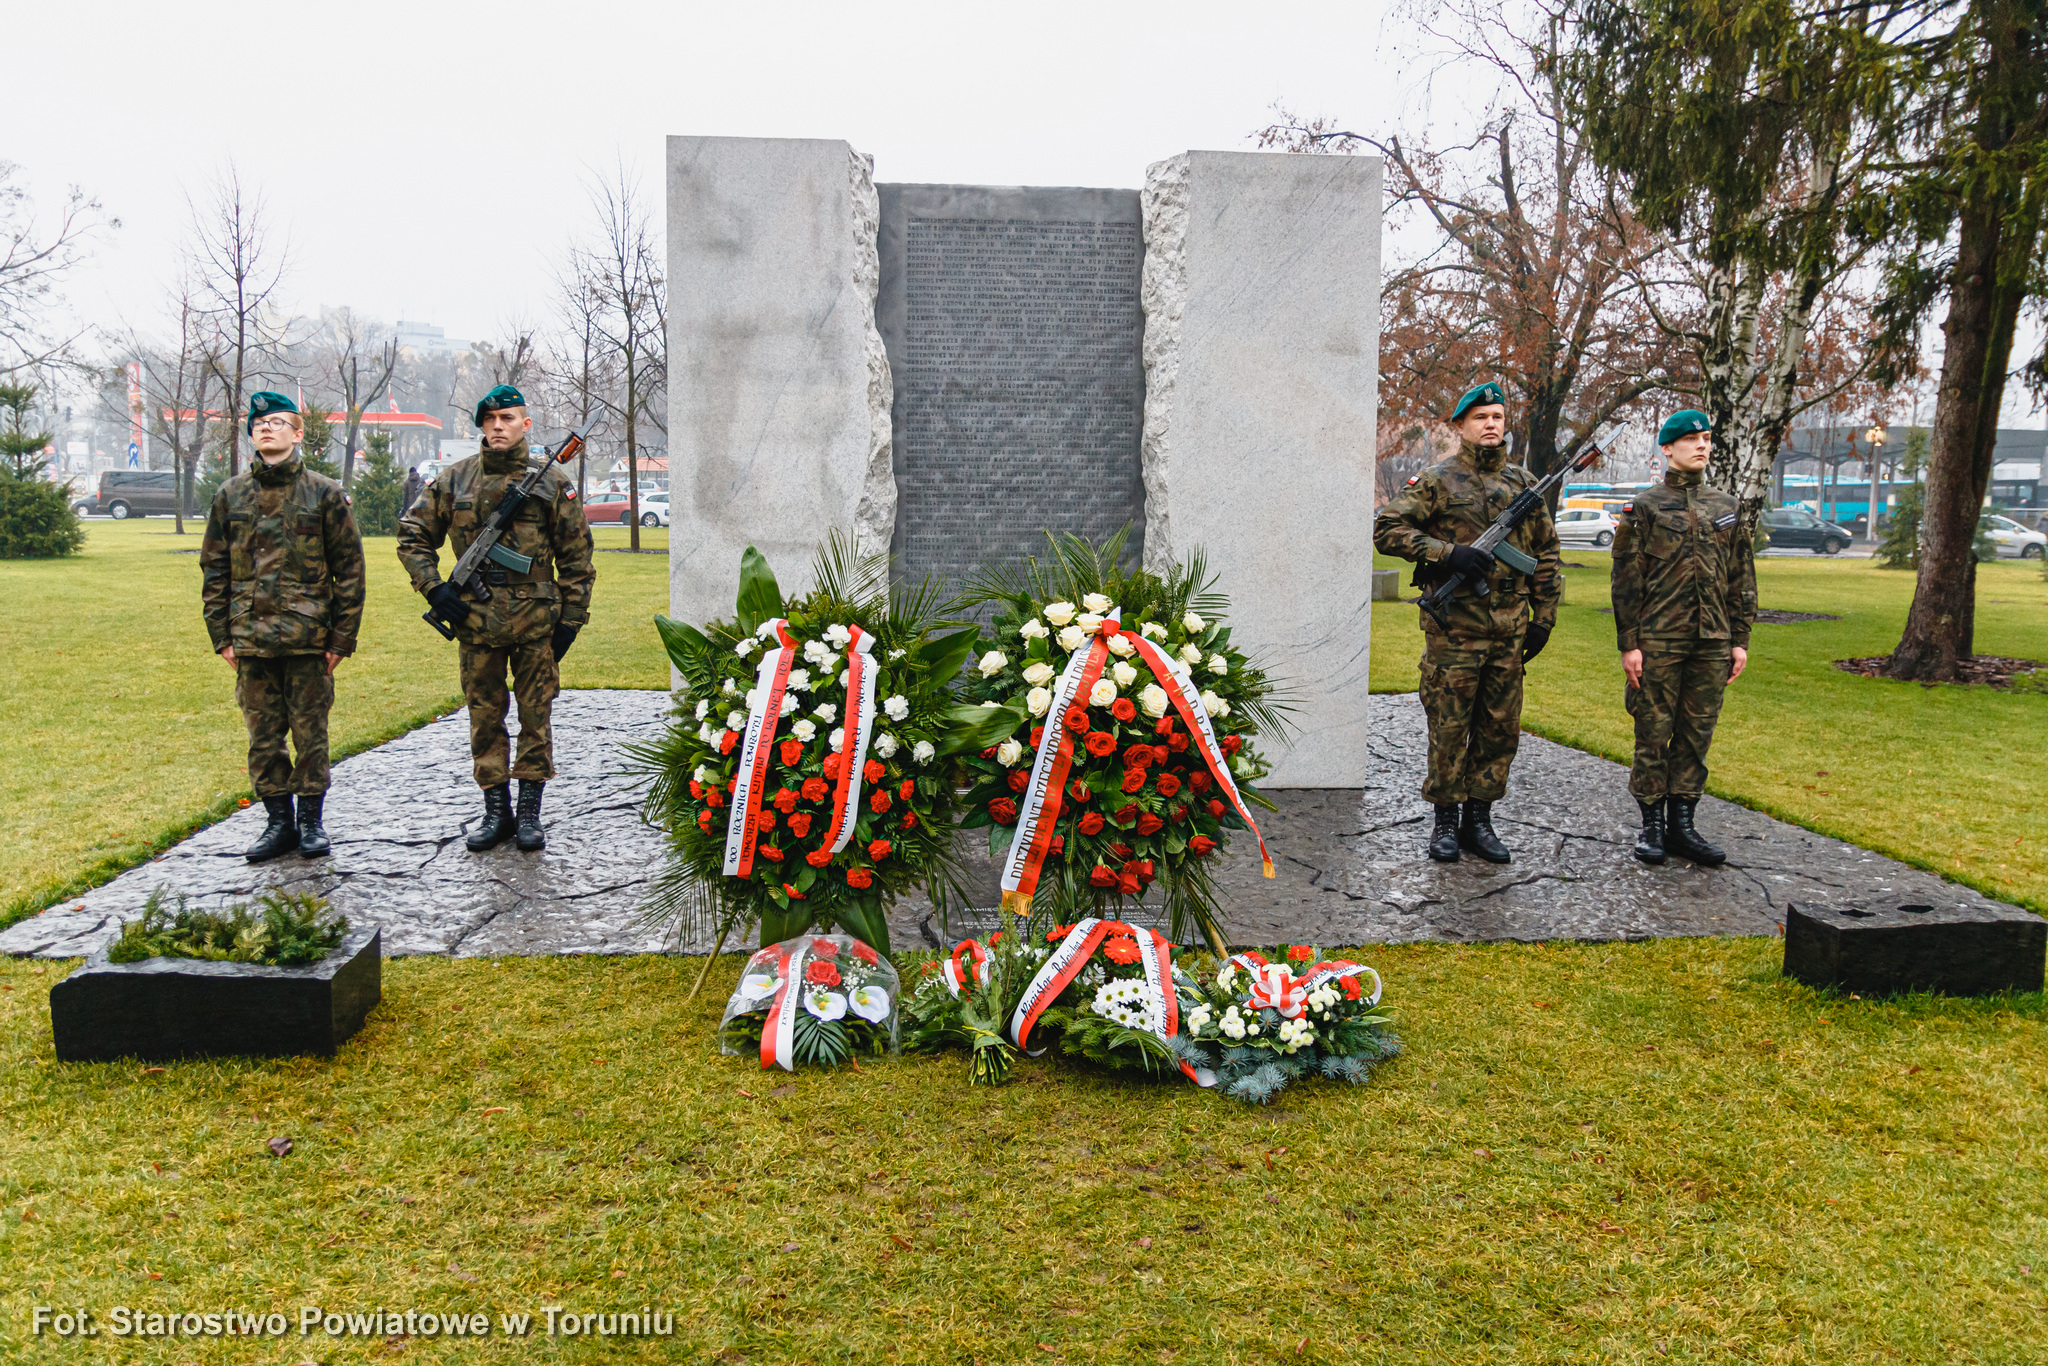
(467, 576)
(1494, 540)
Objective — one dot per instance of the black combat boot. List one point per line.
(312, 839)
(1443, 841)
(1476, 834)
(497, 824)
(1683, 840)
(280, 836)
(1650, 844)
(531, 836)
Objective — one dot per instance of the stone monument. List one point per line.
(949, 371)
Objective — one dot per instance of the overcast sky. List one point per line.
(427, 159)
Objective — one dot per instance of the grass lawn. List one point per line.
(1640, 1152)
(118, 726)
(1952, 779)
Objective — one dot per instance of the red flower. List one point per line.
(1200, 781)
(1137, 756)
(1126, 813)
(1177, 742)
(1078, 790)
(859, 877)
(878, 850)
(1037, 736)
(1352, 991)
(703, 820)
(1167, 784)
(989, 753)
(713, 797)
(1231, 744)
(1019, 780)
(1118, 927)
(818, 858)
(1123, 709)
(814, 789)
(1301, 953)
(696, 789)
(1161, 753)
(785, 801)
(727, 741)
(822, 974)
(1127, 883)
(907, 789)
(1217, 808)
(1058, 846)
(1134, 781)
(764, 820)
(1099, 876)
(1180, 813)
(800, 824)
(1119, 949)
(1089, 824)
(1149, 824)
(873, 770)
(1100, 743)
(1057, 933)
(865, 954)
(1165, 726)
(792, 752)
(1201, 845)
(1120, 850)
(909, 819)
(1146, 872)
(1077, 720)
(792, 893)
(879, 803)
(834, 764)
(824, 948)
(1003, 810)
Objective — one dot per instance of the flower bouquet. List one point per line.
(819, 999)
(800, 781)
(1133, 723)
(1259, 1025)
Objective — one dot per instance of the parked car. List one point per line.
(2013, 539)
(1586, 526)
(654, 509)
(134, 493)
(605, 507)
(1798, 529)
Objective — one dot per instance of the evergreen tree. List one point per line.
(379, 493)
(213, 469)
(22, 448)
(318, 440)
(36, 520)
(1901, 546)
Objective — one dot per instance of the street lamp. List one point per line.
(1875, 436)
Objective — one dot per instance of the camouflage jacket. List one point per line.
(550, 529)
(1683, 570)
(1448, 505)
(281, 568)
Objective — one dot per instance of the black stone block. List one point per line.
(1879, 949)
(165, 1008)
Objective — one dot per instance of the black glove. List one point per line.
(1533, 641)
(446, 600)
(1473, 564)
(565, 636)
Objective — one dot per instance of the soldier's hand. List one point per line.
(1533, 640)
(1741, 658)
(564, 637)
(1632, 665)
(1473, 564)
(446, 600)
(332, 660)
(227, 652)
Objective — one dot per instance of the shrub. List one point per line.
(283, 929)
(36, 520)
(379, 493)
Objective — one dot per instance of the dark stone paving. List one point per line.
(1350, 865)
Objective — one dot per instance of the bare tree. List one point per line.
(175, 383)
(363, 366)
(578, 365)
(623, 265)
(507, 361)
(237, 271)
(33, 262)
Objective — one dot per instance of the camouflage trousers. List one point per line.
(1675, 712)
(285, 695)
(535, 683)
(1472, 694)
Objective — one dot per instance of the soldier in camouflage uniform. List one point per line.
(1684, 602)
(529, 622)
(1472, 673)
(281, 571)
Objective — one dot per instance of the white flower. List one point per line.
(1102, 694)
(708, 733)
(735, 720)
(1091, 622)
(1009, 753)
(992, 663)
(730, 687)
(828, 665)
(1034, 629)
(1214, 705)
(923, 751)
(799, 681)
(766, 630)
(701, 773)
(1095, 602)
(898, 707)
(1059, 613)
(1038, 701)
(703, 709)
(885, 745)
(1191, 653)
(1153, 629)
(895, 654)
(804, 731)
(1252, 1028)
(1072, 638)
(838, 739)
(871, 1003)
(839, 635)
(845, 677)
(815, 651)
(1121, 646)
(826, 1005)
(825, 712)
(757, 986)
(1218, 664)
(1194, 622)
(1226, 978)
(746, 647)
(1038, 674)
(1123, 673)
(1152, 699)
(788, 705)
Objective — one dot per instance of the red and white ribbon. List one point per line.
(1040, 810)
(1057, 973)
(1179, 686)
(778, 1032)
(859, 725)
(764, 711)
(955, 975)
(1337, 970)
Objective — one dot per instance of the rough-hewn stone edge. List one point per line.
(875, 516)
(1162, 297)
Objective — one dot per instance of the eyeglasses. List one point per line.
(265, 424)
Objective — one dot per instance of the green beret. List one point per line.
(1488, 392)
(501, 396)
(1683, 423)
(264, 402)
